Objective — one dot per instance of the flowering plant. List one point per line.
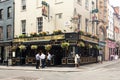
(13, 48)
(48, 47)
(33, 34)
(34, 47)
(42, 34)
(22, 47)
(81, 44)
(56, 32)
(65, 45)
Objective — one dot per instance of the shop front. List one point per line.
(111, 49)
(63, 49)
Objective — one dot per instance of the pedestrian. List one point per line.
(42, 57)
(37, 56)
(48, 58)
(77, 60)
(100, 56)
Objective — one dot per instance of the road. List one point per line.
(109, 72)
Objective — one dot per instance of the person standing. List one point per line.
(48, 58)
(37, 56)
(42, 57)
(100, 57)
(77, 60)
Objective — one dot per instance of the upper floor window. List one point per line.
(1, 33)
(23, 2)
(59, 15)
(58, 1)
(23, 23)
(9, 12)
(86, 25)
(86, 4)
(1, 14)
(2, 0)
(79, 21)
(9, 31)
(79, 2)
(40, 23)
(93, 5)
(39, 3)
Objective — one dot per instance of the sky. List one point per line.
(115, 2)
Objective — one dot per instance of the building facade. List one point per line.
(110, 33)
(76, 21)
(117, 29)
(6, 28)
(102, 6)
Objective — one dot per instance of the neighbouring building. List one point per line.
(117, 29)
(110, 41)
(6, 28)
(102, 6)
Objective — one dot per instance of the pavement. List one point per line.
(87, 67)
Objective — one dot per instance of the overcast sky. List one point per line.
(115, 2)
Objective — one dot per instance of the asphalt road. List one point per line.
(109, 72)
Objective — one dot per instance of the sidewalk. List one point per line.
(62, 69)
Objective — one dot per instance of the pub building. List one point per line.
(62, 47)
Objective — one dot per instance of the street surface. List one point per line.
(86, 72)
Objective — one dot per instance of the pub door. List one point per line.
(1, 54)
(57, 53)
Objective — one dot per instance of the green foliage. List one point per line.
(23, 36)
(22, 47)
(65, 45)
(34, 46)
(56, 32)
(81, 44)
(48, 47)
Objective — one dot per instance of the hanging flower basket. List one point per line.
(65, 45)
(14, 48)
(22, 47)
(89, 46)
(96, 47)
(81, 44)
(34, 46)
(56, 32)
(48, 47)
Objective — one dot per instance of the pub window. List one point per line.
(9, 31)
(86, 25)
(40, 23)
(79, 21)
(23, 23)
(59, 15)
(1, 14)
(79, 2)
(1, 33)
(23, 2)
(9, 12)
(93, 28)
(86, 4)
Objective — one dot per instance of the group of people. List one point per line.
(42, 60)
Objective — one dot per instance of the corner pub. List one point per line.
(83, 44)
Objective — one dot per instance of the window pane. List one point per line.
(40, 24)
(9, 32)
(1, 13)
(1, 33)
(23, 22)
